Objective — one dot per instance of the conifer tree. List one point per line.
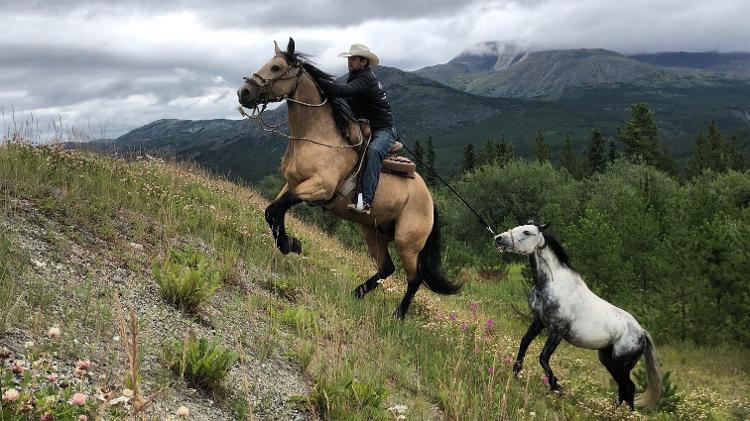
(430, 161)
(419, 157)
(541, 150)
(569, 159)
(640, 137)
(469, 159)
(596, 158)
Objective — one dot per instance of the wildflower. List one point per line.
(53, 332)
(52, 378)
(17, 367)
(83, 364)
(508, 360)
(476, 350)
(83, 418)
(28, 344)
(474, 307)
(464, 327)
(78, 372)
(490, 323)
(490, 370)
(78, 399)
(183, 412)
(545, 379)
(452, 317)
(48, 416)
(10, 395)
(127, 393)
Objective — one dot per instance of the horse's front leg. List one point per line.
(535, 327)
(275, 214)
(310, 190)
(553, 340)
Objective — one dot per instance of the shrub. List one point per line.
(187, 278)
(200, 362)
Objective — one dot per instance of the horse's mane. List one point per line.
(562, 256)
(342, 113)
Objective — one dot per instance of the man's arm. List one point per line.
(344, 90)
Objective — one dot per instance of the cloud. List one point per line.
(129, 63)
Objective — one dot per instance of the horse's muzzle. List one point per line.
(248, 96)
(501, 243)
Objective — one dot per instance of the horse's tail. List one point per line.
(429, 263)
(652, 394)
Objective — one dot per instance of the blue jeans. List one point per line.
(381, 143)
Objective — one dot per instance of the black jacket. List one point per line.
(365, 96)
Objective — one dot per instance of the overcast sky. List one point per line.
(93, 65)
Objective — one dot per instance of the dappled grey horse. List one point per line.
(562, 303)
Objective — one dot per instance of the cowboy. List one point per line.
(366, 97)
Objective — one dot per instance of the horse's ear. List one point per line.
(290, 46)
(276, 46)
(543, 227)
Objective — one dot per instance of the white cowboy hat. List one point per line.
(362, 51)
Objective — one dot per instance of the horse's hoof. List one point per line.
(296, 245)
(283, 244)
(558, 390)
(398, 314)
(517, 368)
(359, 292)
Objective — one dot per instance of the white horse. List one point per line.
(562, 303)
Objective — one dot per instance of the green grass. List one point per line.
(359, 359)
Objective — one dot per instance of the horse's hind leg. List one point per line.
(535, 327)
(378, 247)
(409, 256)
(624, 361)
(607, 360)
(553, 340)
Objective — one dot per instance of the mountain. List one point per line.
(504, 70)
(682, 103)
(735, 65)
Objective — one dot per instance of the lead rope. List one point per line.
(481, 220)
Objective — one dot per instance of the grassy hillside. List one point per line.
(81, 235)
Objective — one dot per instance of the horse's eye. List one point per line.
(275, 68)
(527, 233)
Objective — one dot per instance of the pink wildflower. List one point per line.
(83, 364)
(545, 379)
(52, 378)
(474, 307)
(78, 399)
(10, 395)
(17, 367)
(508, 360)
(83, 418)
(490, 370)
(48, 416)
(53, 332)
(476, 350)
(452, 317)
(490, 323)
(464, 327)
(183, 412)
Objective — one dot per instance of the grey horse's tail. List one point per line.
(652, 394)
(429, 263)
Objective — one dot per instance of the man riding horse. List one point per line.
(366, 97)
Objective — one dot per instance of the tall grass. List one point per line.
(446, 360)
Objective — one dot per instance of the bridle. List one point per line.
(266, 85)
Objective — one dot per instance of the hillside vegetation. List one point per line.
(84, 236)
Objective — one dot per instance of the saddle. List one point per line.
(393, 163)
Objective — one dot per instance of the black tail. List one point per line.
(429, 263)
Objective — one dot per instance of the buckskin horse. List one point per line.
(562, 303)
(318, 161)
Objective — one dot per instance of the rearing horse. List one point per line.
(319, 158)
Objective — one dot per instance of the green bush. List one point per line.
(344, 396)
(200, 362)
(187, 278)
